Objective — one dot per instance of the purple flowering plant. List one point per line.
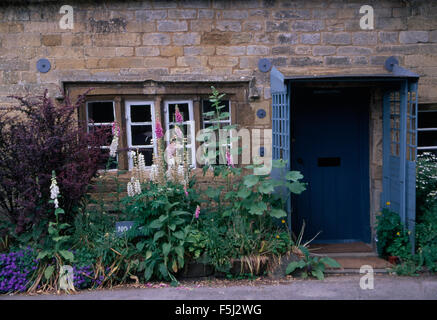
(84, 277)
(17, 269)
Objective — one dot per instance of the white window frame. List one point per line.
(426, 129)
(191, 123)
(129, 125)
(96, 124)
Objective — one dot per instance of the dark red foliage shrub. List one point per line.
(36, 137)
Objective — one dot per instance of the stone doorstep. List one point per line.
(352, 264)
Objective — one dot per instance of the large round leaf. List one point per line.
(278, 213)
(250, 180)
(293, 175)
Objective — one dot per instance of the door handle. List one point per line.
(300, 161)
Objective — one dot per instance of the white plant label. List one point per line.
(66, 278)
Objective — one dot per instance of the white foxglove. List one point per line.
(114, 143)
(130, 189)
(153, 172)
(137, 186)
(113, 147)
(141, 163)
(181, 171)
(54, 191)
(133, 187)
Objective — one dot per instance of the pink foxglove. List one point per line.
(158, 130)
(178, 116)
(229, 159)
(178, 132)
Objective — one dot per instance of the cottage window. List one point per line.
(427, 130)
(210, 120)
(208, 107)
(187, 126)
(140, 125)
(137, 105)
(101, 114)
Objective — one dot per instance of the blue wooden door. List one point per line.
(399, 153)
(330, 147)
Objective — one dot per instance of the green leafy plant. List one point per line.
(311, 266)
(163, 216)
(212, 136)
(389, 228)
(407, 267)
(426, 239)
(55, 250)
(426, 213)
(426, 182)
(244, 222)
(400, 246)
(254, 195)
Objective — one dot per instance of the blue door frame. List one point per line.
(399, 136)
(399, 159)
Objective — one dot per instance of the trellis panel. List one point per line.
(280, 130)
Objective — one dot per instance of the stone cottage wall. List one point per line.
(205, 39)
(208, 40)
